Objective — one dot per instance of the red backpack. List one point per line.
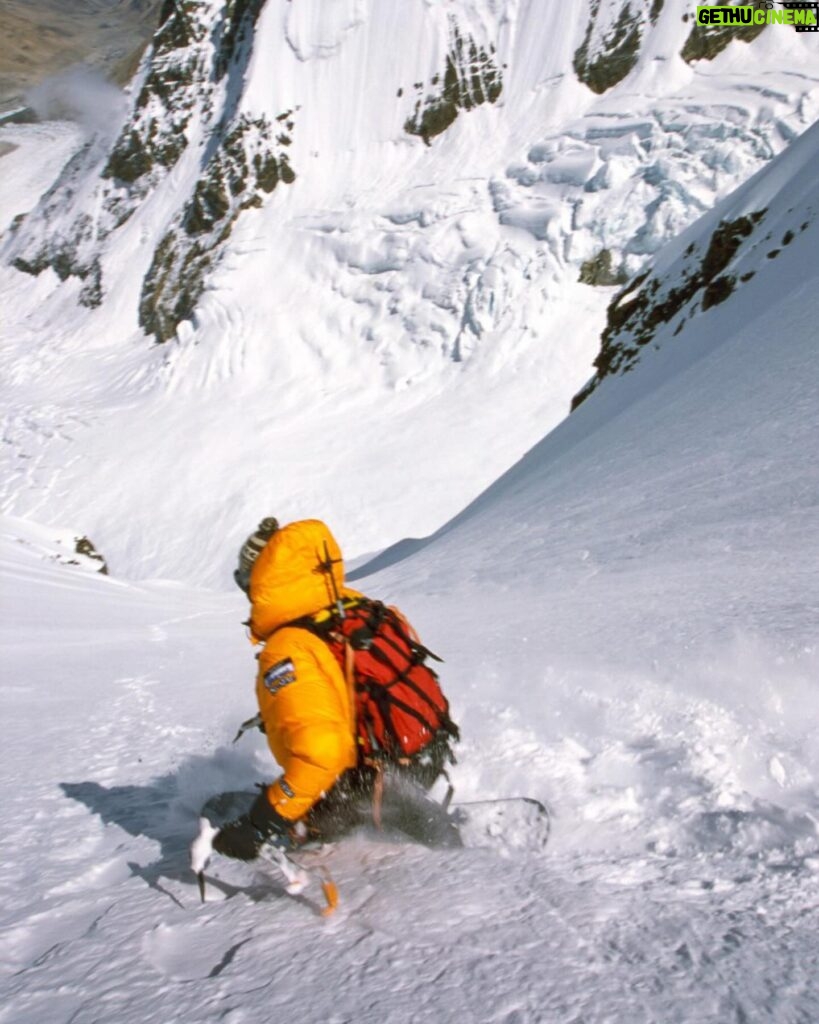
(400, 708)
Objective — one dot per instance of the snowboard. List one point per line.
(508, 825)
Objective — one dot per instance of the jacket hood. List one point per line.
(291, 577)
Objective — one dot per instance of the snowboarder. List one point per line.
(294, 578)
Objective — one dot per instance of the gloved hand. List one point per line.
(242, 839)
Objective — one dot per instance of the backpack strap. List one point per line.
(322, 625)
(407, 632)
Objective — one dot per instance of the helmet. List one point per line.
(251, 549)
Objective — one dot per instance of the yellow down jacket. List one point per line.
(308, 713)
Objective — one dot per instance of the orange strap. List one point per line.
(408, 626)
(378, 794)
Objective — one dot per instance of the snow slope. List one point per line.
(666, 532)
(398, 287)
(629, 622)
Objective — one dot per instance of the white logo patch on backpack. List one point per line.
(279, 675)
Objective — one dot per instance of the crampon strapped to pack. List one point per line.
(400, 708)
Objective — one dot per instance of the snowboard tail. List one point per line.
(515, 824)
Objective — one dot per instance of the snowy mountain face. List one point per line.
(187, 68)
(723, 254)
(322, 228)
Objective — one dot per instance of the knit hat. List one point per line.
(251, 549)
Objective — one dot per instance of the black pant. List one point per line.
(404, 804)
